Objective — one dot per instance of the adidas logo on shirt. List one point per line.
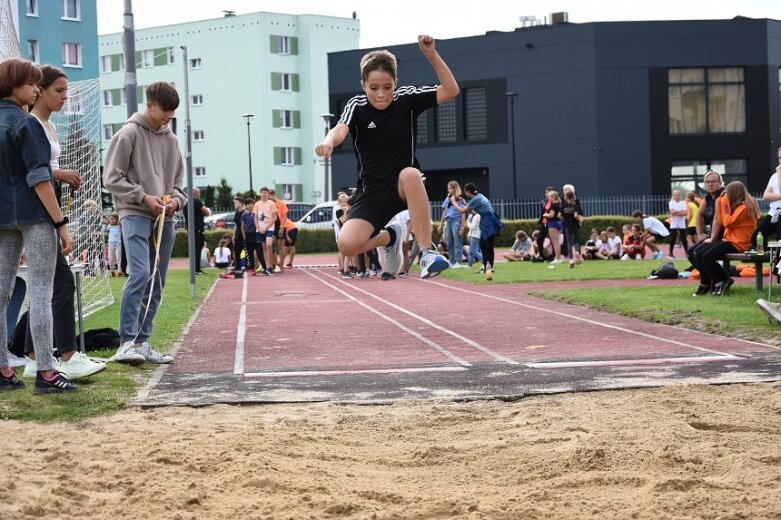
(372, 125)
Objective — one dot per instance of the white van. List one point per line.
(321, 216)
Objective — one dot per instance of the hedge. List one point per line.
(322, 240)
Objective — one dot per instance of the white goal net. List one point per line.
(78, 128)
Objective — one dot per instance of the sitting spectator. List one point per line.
(222, 255)
(206, 255)
(545, 254)
(633, 246)
(520, 249)
(615, 242)
(592, 245)
(771, 223)
(653, 231)
(736, 213)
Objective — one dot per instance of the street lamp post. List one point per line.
(248, 117)
(511, 99)
(326, 184)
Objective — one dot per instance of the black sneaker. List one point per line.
(56, 386)
(387, 276)
(10, 382)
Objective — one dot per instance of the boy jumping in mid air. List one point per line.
(382, 122)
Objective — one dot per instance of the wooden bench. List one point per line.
(748, 258)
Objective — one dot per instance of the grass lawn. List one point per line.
(111, 390)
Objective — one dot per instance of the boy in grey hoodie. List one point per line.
(144, 174)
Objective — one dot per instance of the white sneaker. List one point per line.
(31, 367)
(458, 266)
(558, 261)
(771, 310)
(127, 353)
(79, 366)
(393, 256)
(625, 258)
(432, 263)
(152, 355)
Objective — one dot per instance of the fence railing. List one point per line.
(517, 209)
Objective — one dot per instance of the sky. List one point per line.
(400, 21)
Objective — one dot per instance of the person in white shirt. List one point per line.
(771, 223)
(653, 231)
(678, 224)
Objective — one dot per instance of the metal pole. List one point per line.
(511, 98)
(129, 49)
(191, 252)
(248, 117)
(327, 163)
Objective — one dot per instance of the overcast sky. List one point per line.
(400, 21)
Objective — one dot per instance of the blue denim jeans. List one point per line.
(474, 251)
(138, 235)
(455, 243)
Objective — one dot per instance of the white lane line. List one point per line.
(431, 324)
(413, 370)
(409, 331)
(625, 362)
(241, 332)
(586, 320)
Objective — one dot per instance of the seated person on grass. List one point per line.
(520, 249)
(633, 246)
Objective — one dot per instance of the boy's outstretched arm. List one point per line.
(334, 138)
(448, 87)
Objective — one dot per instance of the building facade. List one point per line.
(257, 90)
(615, 108)
(62, 33)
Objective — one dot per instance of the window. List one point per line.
(706, 100)
(475, 124)
(195, 63)
(286, 119)
(32, 7)
(687, 176)
(171, 56)
(107, 102)
(422, 134)
(286, 82)
(196, 99)
(122, 97)
(108, 132)
(445, 122)
(33, 51)
(198, 135)
(74, 104)
(105, 64)
(199, 171)
(147, 58)
(71, 9)
(287, 156)
(71, 54)
(283, 45)
(779, 89)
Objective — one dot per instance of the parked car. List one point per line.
(219, 221)
(321, 216)
(296, 210)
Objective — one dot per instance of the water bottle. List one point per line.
(760, 244)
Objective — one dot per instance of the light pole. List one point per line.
(326, 188)
(248, 117)
(511, 99)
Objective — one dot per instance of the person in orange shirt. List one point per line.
(736, 215)
(291, 233)
(280, 228)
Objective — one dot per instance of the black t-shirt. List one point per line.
(568, 214)
(237, 222)
(709, 210)
(384, 140)
(197, 206)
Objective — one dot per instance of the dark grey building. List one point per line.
(614, 108)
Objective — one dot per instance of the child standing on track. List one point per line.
(382, 122)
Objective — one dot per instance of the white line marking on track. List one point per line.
(413, 370)
(430, 323)
(409, 331)
(586, 320)
(241, 332)
(624, 362)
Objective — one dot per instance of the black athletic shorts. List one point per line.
(377, 204)
(290, 237)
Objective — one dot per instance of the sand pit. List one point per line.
(675, 452)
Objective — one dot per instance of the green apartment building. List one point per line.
(272, 66)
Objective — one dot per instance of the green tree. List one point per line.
(207, 196)
(224, 194)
